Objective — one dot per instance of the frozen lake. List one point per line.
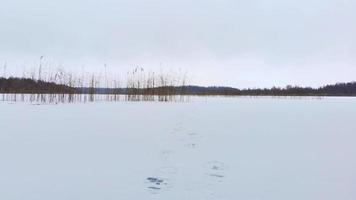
(206, 149)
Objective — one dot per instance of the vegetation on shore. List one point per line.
(30, 86)
(140, 86)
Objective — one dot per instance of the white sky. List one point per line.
(255, 43)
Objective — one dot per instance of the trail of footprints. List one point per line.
(214, 171)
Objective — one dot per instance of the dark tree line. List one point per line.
(30, 86)
(339, 89)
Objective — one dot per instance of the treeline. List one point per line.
(31, 86)
(166, 91)
(339, 89)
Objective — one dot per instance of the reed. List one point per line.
(44, 85)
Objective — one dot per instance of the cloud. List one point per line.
(207, 37)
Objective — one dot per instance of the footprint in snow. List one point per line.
(162, 180)
(192, 139)
(165, 155)
(155, 184)
(215, 170)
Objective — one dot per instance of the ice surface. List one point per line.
(209, 148)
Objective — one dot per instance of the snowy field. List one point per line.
(206, 149)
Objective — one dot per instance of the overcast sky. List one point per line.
(254, 43)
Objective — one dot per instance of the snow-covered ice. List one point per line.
(208, 148)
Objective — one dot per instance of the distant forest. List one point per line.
(30, 86)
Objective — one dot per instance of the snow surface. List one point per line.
(208, 148)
